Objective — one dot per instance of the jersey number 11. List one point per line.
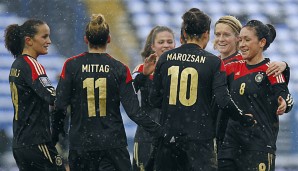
(91, 85)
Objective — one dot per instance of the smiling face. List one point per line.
(250, 47)
(38, 45)
(163, 42)
(225, 40)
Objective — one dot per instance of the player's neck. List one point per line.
(255, 60)
(31, 53)
(96, 50)
(200, 42)
(195, 42)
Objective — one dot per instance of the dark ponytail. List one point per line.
(195, 23)
(13, 40)
(272, 33)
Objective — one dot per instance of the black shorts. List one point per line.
(117, 159)
(189, 155)
(232, 159)
(141, 154)
(43, 157)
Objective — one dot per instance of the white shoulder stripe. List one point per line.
(280, 79)
(277, 79)
(37, 66)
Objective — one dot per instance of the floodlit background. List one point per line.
(130, 22)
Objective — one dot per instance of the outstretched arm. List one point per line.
(223, 98)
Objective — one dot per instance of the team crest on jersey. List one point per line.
(45, 81)
(259, 77)
(58, 160)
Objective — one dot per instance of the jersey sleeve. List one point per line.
(156, 91)
(222, 96)
(64, 87)
(35, 76)
(139, 79)
(63, 99)
(130, 103)
(287, 74)
(280, 88)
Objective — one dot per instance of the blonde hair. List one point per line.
(231, 21)
(97, 30)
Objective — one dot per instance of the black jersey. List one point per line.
(94, 84)
(223, 118)
(184, 80)
(143, 84)
(31, 93)
(256, 93)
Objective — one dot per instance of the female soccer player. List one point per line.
(184, 81)
(254, 92)
(159, 40)
(93, 84)
(226, 32)
(31, 93)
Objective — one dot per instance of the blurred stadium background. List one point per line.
(130, 22)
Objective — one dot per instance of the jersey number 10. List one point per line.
(91, 85)
(186, 73)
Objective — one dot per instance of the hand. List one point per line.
(149, 64)
(282, 106)
(276, 68)
(248, 120)
(57, 128)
